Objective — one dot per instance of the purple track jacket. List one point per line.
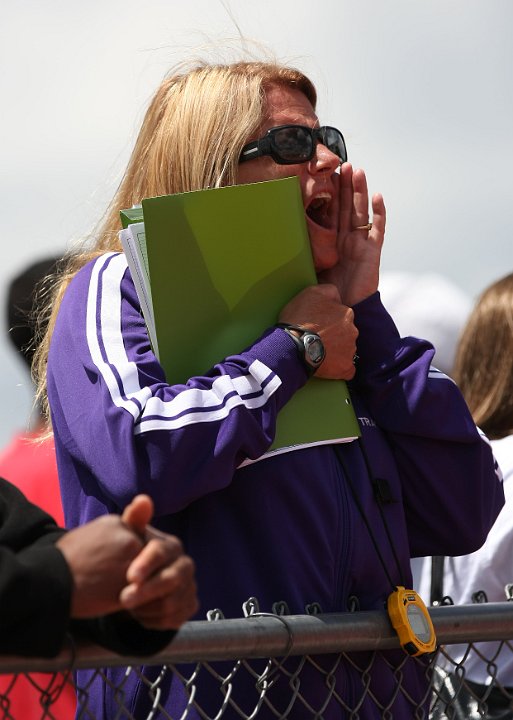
(282, 528)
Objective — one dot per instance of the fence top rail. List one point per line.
(268, 635)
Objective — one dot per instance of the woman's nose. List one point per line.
(324, 159)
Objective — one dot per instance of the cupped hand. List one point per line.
(356, 275)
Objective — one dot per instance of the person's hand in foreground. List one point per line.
(122, 563)
(161, 593)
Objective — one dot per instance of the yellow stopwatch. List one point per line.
(411, 620)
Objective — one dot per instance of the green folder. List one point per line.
(222, 264)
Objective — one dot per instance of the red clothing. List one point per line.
(31, 466)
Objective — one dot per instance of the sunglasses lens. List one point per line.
(292, 144)
(332, 138)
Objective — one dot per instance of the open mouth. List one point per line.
(318, 210)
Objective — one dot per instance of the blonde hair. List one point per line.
(484, 360)
(190, 139)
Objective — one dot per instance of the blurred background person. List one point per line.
(484, 372)
(26, 461)
(29, 463)
(430, 306)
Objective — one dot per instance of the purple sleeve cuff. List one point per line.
(277, 351)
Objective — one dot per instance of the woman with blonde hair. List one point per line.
(484, 360)
(484, 372)
(304, 526)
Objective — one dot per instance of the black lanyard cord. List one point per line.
(339, 454)
(379, 500)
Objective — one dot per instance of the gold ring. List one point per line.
(363, 227)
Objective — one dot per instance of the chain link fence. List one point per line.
(269, 650)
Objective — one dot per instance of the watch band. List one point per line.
(309, 345)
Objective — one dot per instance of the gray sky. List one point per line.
(422, 90)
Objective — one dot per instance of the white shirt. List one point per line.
(489, 569)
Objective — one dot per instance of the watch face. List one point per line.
(418, 623)
(314, 349)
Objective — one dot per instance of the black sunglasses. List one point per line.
(291, 144)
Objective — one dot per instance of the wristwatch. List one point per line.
(309, 345)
